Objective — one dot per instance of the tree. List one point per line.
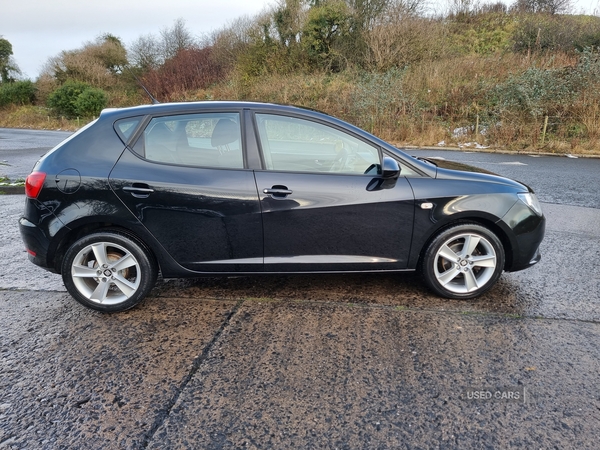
(149, 52)
(231, 41)
(8, 68)
(367, 12)
(145, 52)
(97, 63)
(175, 39)
(327, 25)
(110, 51)
(288, 21)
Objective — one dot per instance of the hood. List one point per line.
(452, 170)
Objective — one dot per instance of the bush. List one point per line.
(90, 102)
(535, 93)
(17, 93)
(189, 70)
(378, 98)
(481, 33)
(75, 99)
(556, 33)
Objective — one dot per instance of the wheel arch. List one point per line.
(83, 228)
(494, 227)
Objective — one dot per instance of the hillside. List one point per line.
(504, 78)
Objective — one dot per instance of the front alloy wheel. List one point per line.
(108, 271)
(463, 261)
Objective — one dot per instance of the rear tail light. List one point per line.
(34, 183)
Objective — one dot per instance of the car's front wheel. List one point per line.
(108, 271)
(463, 261)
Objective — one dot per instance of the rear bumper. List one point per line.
(36, 243)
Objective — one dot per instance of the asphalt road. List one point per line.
(20, 149)
(371, 361)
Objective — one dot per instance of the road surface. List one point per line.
(336, 361)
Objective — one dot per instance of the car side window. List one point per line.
(204, 140)
(291, 144)
(126, 127)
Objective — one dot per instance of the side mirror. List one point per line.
(391, 169)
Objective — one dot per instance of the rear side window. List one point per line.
(204, 140)
(126, 127)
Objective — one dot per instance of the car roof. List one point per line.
(187, 107)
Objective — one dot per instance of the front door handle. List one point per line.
(278, 191)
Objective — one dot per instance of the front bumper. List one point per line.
(528, 231)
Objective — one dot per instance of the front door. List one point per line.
(325, 205)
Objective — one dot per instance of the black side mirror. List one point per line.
(391, 169)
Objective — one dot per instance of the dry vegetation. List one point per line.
(522, 78)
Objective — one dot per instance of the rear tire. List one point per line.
(108, 271)
(463, 261)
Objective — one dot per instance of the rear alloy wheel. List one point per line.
(108, 271)
(463, 261)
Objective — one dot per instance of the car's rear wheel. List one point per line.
(108, 271)
(463, 261)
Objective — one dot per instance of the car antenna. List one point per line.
(154, 101)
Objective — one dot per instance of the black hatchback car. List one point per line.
(222, 188)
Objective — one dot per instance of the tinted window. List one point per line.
(207, 139)
(298, 145)
(126, 127)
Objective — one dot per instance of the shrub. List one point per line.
(90, 102)
(190, 70)
(74, 99)
(378, 98)
(398, 43)
(17, 93)
(536, 92)
(63, 100)
(556, 33)
(482, 33)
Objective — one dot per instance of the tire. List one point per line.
(463, 261)
(108, 271)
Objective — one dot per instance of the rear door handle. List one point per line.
(139, 190)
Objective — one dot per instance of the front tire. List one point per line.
(108, 271)
(463, 261)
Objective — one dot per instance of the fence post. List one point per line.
(544, 130)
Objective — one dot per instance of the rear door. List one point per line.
(325, 205)
(188, 184)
